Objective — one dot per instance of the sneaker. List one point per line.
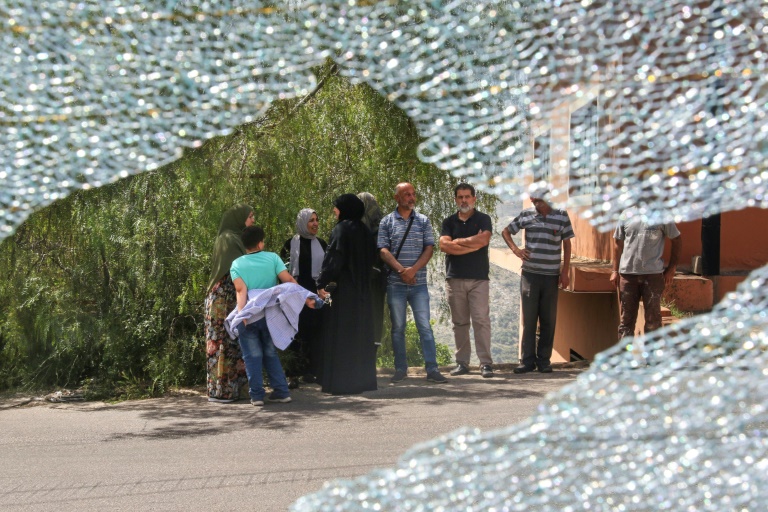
(257, 403)
(220, 400)
(545, 369)
(399, 376)
(524, 369)
(461, 369)
(486, 371)
(436, 377)
(273, 397)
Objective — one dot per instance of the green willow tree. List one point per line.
(105, 289)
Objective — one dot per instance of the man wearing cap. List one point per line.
(638, 267)
(547, 229)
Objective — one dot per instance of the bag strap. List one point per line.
(405, 235)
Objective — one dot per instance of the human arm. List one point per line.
(389, 258)
(459, 246)
(241, 291)
(523, 254)
(565, 272)
(334, 260)
(383, 243)
(618, 249)
(669, 272)
(408, 274)
(286, 277)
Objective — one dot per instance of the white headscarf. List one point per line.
(302, 219)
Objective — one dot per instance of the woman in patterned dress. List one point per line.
(226, 370)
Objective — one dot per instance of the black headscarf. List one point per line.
(350, 207)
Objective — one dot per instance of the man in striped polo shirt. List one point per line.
(546, 230)
(408, 256)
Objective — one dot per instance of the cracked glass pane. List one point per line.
(96, 91)
(672, 421)
(659, 104)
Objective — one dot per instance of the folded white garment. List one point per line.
(280, 305)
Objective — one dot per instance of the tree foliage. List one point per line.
(106, 288)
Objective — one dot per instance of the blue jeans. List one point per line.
(398, 296)
(258, 349)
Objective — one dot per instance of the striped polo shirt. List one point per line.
(391, 231)
(543, 237)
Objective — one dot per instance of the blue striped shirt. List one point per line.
(543, 238)
(391, 231)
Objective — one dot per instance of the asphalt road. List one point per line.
(183, 453)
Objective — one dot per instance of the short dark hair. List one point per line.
(252, 236)
(463, 186)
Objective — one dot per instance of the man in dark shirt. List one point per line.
(464, 238)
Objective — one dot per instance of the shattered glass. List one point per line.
(676, 423)
(95, 91)
(666, 105)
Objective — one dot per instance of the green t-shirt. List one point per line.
(258, 270)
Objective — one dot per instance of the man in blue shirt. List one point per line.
(408, 256)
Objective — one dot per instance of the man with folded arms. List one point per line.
(464, 238)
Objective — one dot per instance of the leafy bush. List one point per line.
(413, 353)
(105, 289)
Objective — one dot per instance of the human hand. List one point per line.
(408, 275)
(523, 254)
(322, 293)
(565, 280)
(614, 278)
(669, 276)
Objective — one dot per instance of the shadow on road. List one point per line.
(191, 416)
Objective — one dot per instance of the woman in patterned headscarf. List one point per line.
(371, 219)
(226, 370)
(304, 253)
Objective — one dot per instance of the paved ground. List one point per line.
(182, 453)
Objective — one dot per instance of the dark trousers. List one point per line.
(538, 293)
(632, 288)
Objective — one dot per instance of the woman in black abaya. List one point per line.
(349, 359)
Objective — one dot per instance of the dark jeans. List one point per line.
(538, 293)
(632, 288)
